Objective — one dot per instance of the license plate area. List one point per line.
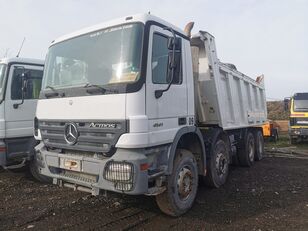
(70, 164)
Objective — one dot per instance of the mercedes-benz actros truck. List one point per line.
(138, 106)
(20, 85)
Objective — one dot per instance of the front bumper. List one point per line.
(14, 152)
(296, 132)
(90, 173)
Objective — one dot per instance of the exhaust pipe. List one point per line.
(188, 28)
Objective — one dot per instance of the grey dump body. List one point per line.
(223, 95)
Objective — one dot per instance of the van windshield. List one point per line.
(2, 80)
(107, 57)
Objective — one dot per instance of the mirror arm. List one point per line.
(16, 105)
(159, 93)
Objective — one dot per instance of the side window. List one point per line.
(34, 83)
(160, 53)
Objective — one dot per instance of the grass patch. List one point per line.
(284, 141)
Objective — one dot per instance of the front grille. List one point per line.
(99, 136)
(299, 121)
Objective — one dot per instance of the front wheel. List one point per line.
(294, 141)
(182, 185)
(35, 172)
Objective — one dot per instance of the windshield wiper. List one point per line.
(93, 85)
(54, 92)
(301, 109)
(94, 88)
(52, 88)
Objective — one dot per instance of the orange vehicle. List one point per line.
(270, 131)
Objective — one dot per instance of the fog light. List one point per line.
(297, 132)
(121, 173)
(123, 186)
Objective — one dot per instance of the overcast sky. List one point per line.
(267, 37)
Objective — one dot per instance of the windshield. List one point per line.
(106, 57)
(2, 80)
(301, 105)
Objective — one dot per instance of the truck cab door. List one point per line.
(19, 121)
(168, 113)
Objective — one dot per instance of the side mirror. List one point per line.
(286, 102)
(24, 84)
(174, 65)
(174, 41)
(174, 59)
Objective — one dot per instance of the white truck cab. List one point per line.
(20, 85)
(137, 106)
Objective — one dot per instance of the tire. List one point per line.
(35, 172)
(218, 165)
(259, 143)
(182, 185)
(246, 153)
(275, 136)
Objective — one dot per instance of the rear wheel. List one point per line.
(246, 153)
(259, 141)
(218, 165)
(182, 185)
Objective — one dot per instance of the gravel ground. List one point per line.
(272, 195)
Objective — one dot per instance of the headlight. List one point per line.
(121, 173)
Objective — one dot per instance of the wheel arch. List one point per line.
(211, 135)
(189, 138)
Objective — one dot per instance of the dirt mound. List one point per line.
(275, 110)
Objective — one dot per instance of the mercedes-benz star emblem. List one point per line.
(71, 133)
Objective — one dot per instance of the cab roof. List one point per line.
(143, 18)
(22, 60)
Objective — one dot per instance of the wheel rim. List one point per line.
(185, 183)
(221, 164)
(251, 153)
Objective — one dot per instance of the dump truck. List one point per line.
(298, 130)
(20, 85)
(139, 106)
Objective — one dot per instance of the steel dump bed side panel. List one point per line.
(223, 95)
